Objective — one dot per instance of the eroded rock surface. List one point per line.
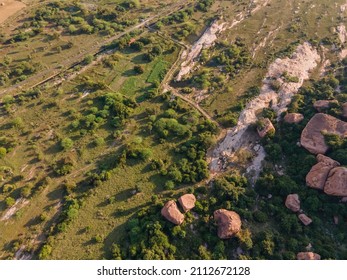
(293, 118)
(229, 223)
(293, 202)
(318, 174)
(171, 213)
(307, 256)
(266, 128)
(187, 201)
(321, 105)
(312, 137)
(305, 219)
(336, 183)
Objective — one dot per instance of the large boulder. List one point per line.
(293, 202)
(318, 174)
(265, 126)
(321, 105)
(171, 213)
(293, 118)
(307, 256)
(229, 223)
(312, 137)
(304, 219)
(336, 183)
(187, 201)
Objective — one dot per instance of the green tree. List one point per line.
(67, 143)
(10, 201)
(138, 69)
(17, 122)
(3, 152)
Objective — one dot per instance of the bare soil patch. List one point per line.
(9, 8)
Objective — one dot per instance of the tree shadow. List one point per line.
(129, 73)
(33, 221)
(55, 194)
(53, 149)
(139, 59)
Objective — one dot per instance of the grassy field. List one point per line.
(46, 120)
(34, 126)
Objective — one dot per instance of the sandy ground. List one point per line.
(9, 8)
(303, 60)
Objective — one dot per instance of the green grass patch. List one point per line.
(158, 72)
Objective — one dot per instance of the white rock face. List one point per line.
(299, 65)
(205, 41)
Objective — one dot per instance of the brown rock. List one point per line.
(171, 213)
(229, 223)
(307, 256)
(304, 219)
(293, 202)
(293, 118)
(187, 201)
(266, 127)
(336, 183)
(321, 105)
(344, 110)
(312, 136)
(318, 174)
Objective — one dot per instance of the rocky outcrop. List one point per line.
(318, 174)
(293, 118)
(171, 213)
(344, 110)
(336, 183)
(187, 201)
(293, 202)
(229, 223)
(307, 256)
(312, 137)
(305, 219)
(265, 127)
(321, 105)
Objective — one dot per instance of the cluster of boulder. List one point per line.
(171, 212)
(293, 203)
(327, 175)
(228, 222)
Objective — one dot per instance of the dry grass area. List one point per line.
(9, 8)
